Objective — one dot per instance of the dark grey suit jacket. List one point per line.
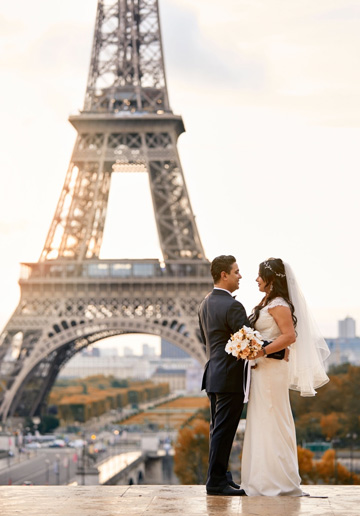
(220, 315)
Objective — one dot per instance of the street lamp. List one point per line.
(352, 438)
(66, 463)
(83, 464)
(47, 463)
(9, 466)
(57, 469)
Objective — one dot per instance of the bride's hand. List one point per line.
(259, 354)
(287, 354)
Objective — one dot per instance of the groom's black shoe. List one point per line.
(230, 481)
(225, 491)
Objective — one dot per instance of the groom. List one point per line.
(220, 315)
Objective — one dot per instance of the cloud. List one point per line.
(349, 12)
(296, 57)
(191, 52)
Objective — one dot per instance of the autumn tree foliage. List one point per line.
(327, 470)
(81, 399)
(306, 466)
(332, 472)
(334, 413)
(330, 425)
(173, 414)
(191, 453)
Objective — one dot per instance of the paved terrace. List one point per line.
(149, 500)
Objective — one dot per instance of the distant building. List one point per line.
(176, 378)
(187, 379)
(128, 352)
(91, 352)
(169, 350)
(344, 350)
(109, 352)
(347, 328)
(148, 351)
(346, 347)
(119, 367)
(194, 374)
(138, 368)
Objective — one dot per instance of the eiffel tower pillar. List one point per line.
(71, 298)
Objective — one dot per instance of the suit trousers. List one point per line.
(225, 412)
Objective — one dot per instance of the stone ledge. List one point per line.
(147, 500)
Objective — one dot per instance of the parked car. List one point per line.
(77, 443)
(33, 446)
(58, 443)
(99, 448)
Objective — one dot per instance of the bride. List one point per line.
(269, 464)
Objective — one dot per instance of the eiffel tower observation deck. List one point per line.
(71, 298)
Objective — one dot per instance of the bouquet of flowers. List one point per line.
(244, 344)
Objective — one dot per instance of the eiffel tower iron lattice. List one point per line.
(71, 298)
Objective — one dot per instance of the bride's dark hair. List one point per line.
(272, 271)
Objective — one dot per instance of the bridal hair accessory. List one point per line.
(309, 351)
(268, 266)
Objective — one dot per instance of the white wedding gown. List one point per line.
(269, 465)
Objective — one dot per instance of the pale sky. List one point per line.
(269, 91)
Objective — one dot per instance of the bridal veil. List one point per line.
(308, 353)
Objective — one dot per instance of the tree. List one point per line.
(191, 453)
(338, 399)
(325, 471)
(332, 472)
(339, 369)
(48, 423)
(116, 383)
(308, 427)
(306, 466)
(330, 425)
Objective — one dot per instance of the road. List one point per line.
(56, 466)
(51, 466)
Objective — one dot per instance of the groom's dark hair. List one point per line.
(220, 264)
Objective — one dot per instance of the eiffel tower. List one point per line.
(71, 298)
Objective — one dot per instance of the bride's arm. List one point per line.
(283, 319)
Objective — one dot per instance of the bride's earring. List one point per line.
(271, 287)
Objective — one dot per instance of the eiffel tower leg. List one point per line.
(71, 298)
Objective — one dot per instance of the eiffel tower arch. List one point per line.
(71, 298)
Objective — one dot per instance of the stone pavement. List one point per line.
(149, 500)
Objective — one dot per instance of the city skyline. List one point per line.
(269, 99)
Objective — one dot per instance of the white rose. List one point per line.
(244, 344)
(228, 348)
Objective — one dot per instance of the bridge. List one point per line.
(124, 468)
